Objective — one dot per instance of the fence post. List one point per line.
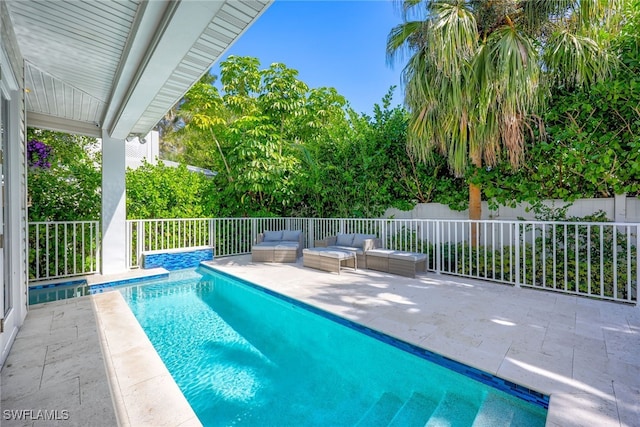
(310, 233)
(98, 253)
(438, 248)
(211, 239)
(517, 264)
(254, 229)
(140, 241)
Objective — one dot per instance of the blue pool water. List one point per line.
(242, 356)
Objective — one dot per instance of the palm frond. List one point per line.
(402, 40)
(576, 61)
(514, 89)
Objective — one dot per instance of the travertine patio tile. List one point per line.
(589, 329)
(133, 366)
(36, 328)
(603, 411)
(93, 396)
(61, 396)
(33, 355)
(495, 346)
(623, 345)
(565, 320)
(57, 352)
(558, 341)
(604, 373)
(487, 361)
(60, 335)
(628, 403)
(18, 382)
(154, 409)
(539, 371)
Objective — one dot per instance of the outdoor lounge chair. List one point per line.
(278, 246)
(358, 243)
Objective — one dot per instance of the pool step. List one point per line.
(381, 412)
(494, 412)
(452, 411)
(414, 412)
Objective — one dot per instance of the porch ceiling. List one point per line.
(119, 65)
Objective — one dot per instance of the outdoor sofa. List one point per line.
(277, 246)
(358, 243)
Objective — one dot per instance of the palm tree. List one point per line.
(479, 71)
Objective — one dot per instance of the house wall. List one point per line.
(619, 209)
(15, 239)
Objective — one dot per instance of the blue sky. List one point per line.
(337, 44)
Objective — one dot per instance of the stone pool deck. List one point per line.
(90, 357)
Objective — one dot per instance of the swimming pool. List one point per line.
(246, 356)
(54, 292)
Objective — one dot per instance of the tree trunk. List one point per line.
(475, 203)
(475, 211)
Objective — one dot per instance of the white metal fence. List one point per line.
(583, 258)
(63, 249)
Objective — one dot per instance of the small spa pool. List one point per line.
(244, 355)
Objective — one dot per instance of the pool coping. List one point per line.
(143, 390)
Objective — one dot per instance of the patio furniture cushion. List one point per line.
(293, 235)
(262, 247)
(344, 239)
(380, 253)
(347, 248)
(327, 252)
(407, 256)
(272, 236)
(358, 239)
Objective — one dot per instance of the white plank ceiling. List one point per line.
(90, 61)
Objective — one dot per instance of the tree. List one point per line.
(161, 191)
(68, 187)
(252, 130)
(480, 71)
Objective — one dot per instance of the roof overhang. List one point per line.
(119, 65)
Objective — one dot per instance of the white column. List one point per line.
(114, 212)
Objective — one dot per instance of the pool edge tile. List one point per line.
(116, 321)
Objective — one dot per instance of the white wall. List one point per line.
(136, 151)
(619, 209)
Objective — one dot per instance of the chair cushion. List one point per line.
(380, 253)
(347, 248)
(344, 239)
(263, 247)
(358, 239)
(408, 256)
(289, 243)
(271, 236)
(293, 235)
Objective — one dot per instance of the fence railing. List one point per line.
(63, 249)
(583, 258)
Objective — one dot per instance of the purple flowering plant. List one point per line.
(38, 154)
